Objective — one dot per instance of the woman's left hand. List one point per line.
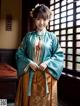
(42, 66)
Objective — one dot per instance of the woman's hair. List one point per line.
(41, 11)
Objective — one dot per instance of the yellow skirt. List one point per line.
(36, 100)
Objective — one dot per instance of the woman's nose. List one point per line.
(41, 21)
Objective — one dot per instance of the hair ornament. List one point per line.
(31, 12)
(37, 5)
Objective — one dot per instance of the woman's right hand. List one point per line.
(34, 66)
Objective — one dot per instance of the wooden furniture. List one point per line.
(8, 81)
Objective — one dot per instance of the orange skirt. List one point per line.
(41, 99)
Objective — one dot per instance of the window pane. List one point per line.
(78, 3)
(78, 44)
(70, 43)
(78, 22)
(78, 59)
(64, 50)
(63, 32)
(69, 65)
(51, 1)
(51, 22)
(56, 0)
(63, 19)
(52, 16)
(57, 21)
(78, 16)
(57, 32)
(69, 1)
(52, 7)
(63, 3)
(78, 51)
(56, 26)
(70, 24)
(63, 14)
(78, 9)
(56, 16)
(51, 27)
(63, 8)
(70, 51)
(63, 25)
(70, 18)
(77, 29)
(63, 37)
(70, 6)
(57, 5)
(78, 67)
(70, 37)
(69, 57)
(70, 12)
(65, 57)
(63, 44)
(57, 11)
(78, 36)
(70, 31)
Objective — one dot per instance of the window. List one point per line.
(65, 23)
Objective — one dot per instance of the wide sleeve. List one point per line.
(56, 62)
(22, 60)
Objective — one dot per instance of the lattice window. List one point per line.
(65, 22)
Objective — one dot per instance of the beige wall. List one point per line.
(10, 39)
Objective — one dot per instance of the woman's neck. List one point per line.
(41, 32)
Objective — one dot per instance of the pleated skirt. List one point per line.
(42, 99)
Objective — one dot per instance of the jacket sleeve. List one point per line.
(56, 62)
(22, 60)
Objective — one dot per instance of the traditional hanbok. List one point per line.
(38, 88)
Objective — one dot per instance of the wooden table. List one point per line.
(8, 81)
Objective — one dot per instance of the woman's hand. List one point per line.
(34, 66)
(42, 66)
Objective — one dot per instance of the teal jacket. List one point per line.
(52, 55)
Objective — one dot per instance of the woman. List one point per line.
(40, 62)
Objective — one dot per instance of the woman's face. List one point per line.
(41, 23)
